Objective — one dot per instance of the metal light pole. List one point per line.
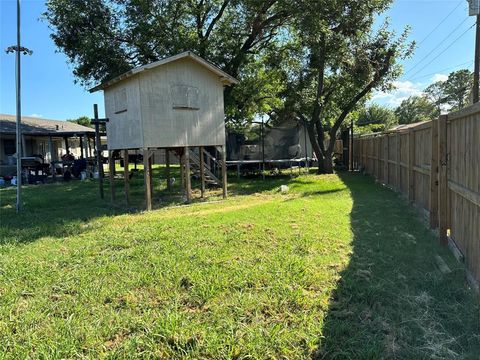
(18, 51)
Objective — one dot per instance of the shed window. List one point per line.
(120, 101)
(185, 97)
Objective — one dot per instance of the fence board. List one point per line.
(436, 165)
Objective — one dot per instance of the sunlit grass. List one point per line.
(260, 275)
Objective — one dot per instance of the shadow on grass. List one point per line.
(66, 208)
(392, 301)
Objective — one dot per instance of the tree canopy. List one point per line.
(375, 118)
(104, 38)
(82, 120)
(416, 109)
(453, 93)
(316, 60)
(344, 59)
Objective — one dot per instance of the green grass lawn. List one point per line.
(339, 267)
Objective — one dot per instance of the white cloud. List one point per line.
(36, 115)
(439, 77)
(402, 90)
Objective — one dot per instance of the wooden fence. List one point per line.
(436, 165)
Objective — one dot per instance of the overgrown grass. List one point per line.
(336, 268)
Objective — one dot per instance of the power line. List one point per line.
(437, 46)
(436, 72)
(440, 23)
(450, 45)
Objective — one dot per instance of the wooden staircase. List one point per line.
(210, 177)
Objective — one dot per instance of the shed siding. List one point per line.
(158, 113)
(124, 129)
(165, 125)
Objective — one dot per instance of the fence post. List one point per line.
(364, 156)
(411, 164)
(434, 168)
(379, 151)
(398, 168)
(442, 179)
(385, 159)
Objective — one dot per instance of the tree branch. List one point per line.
(380, 73)
(216, 18)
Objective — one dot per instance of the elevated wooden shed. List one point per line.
(174, 104)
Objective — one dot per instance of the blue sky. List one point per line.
(49, 91)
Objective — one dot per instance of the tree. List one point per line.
(457, 88)
(416, 109)
(82, 120)
(453, 93)
(375, 118)
(104, 38)
(436, 94)
(343, 61)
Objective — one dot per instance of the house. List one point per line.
(45, 139)
(175, 104)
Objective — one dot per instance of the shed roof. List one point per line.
(37, 126)
(224, 77)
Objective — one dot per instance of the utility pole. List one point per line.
(474, 10)
(18, 51)
(476, 71)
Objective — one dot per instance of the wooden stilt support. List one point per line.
(224, 172)
(111, 175)
(147, 179)
(182, 172)
(442, 179)
(167, 170)
(188, 184)
(126, 177)
(202, 172)
(150, 164)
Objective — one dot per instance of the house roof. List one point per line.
(38, 126)
(224, 77)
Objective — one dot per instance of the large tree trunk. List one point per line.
(324, 156)
(327, 164)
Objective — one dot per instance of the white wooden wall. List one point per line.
(124, 129)
(154, 117)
